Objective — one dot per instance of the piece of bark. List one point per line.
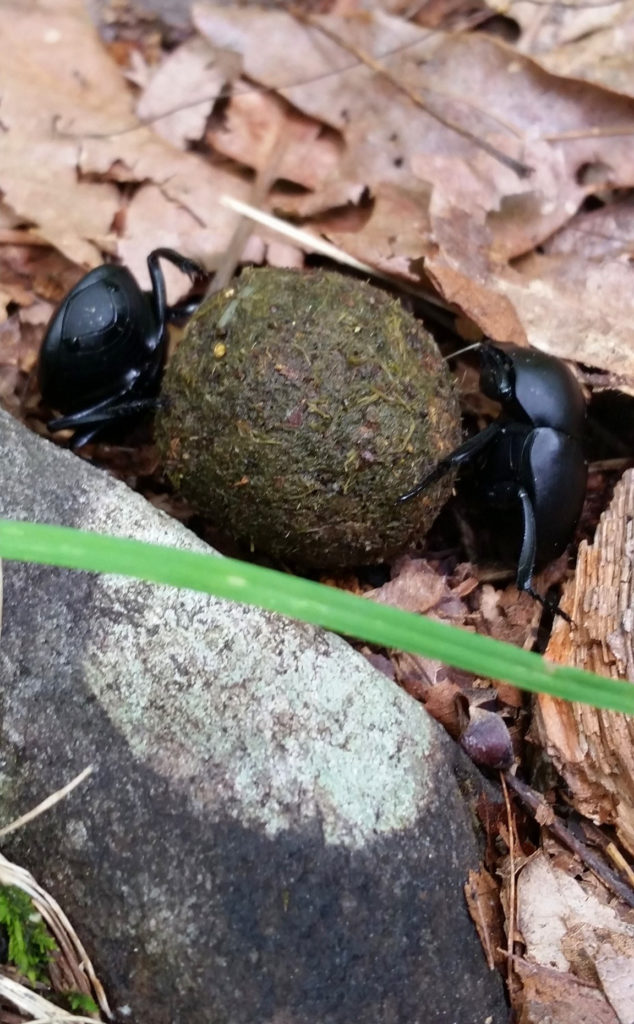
(594, 749)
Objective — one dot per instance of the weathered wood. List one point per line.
(593, 749)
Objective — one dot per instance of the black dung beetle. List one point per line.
(532, 455)
(103, 353)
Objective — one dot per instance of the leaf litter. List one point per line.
(497, 172)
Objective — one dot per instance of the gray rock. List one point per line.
(274, 831)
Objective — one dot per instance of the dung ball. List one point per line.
(298, 407)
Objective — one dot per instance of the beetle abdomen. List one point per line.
(555, 471)
(93, 338)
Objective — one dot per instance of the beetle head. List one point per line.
(533, 387)
(497, 375)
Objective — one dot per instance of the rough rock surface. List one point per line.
(274, 832)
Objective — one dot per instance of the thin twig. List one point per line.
(510, 938)
(617, 857)
(39, 1009)
(541, 809)
(313, 243)
(22, 236)
(49, 802)
(595, 132)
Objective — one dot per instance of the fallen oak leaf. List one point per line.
(522, 170)
(59, 89)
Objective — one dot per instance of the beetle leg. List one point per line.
(181, 310)
(104, 412)
(189, 267)
(78, 440)
(462, 454)
(526, 563)
(158, 281)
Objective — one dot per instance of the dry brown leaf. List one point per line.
(66, 120)
(591, 42)
(329, 85)
(549, 995)
(253, 123)
(602, 235)
(151, 209)
(566, 927)
(616, 974)
(381, 125)
(546, 27)
(464, 214)
(51, 62)
(588, 265)
(10, 345)
(574, 308)
(187, 83)
(594, 749)
(416, 587)
(563, 923)
(389, 138)
(429, 682)
(539, 106)
(494, 314)
(281, 254)
(483, 902)
(396, 234)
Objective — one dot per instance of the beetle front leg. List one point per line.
(526, 563)
(187, 266)
(464, 453)
(104, 413)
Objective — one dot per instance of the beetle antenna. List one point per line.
(461, 351)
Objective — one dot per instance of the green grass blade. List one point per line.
(310, 602)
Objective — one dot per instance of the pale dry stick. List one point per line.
(56, 1019)
(313, 243)
(50, 801)
(39, 1009)
(522, 170)
(483, 932)
(511, 933)
(20, 236)
(594, 132)
(619, 860)
(573, 6)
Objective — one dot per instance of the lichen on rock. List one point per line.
(299, 406)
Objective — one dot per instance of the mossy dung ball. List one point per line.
(299, 407)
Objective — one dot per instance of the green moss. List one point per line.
(30, 944)
(299, 407)
(80, 1003)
